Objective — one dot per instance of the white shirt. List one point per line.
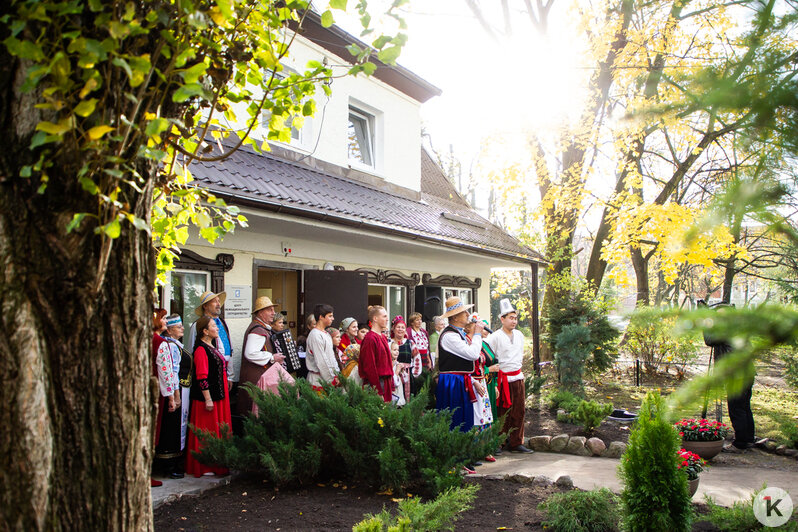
(320, 358)
(457, 345)
(253, 349)
(509, 351)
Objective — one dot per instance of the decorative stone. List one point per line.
(770, 447)
(542, 480)
(561, 412)
(583, 451)
(780, 449)
(615, 450)
(558, 443)
(564, 481)
(792, 453)
(539, 443)
(595, 446)
(494, 477)
(575, 443)
(520, 479)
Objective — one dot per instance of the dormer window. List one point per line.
(360, 137)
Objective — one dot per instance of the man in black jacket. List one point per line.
(742, 419)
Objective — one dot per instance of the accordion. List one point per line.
(284, 344)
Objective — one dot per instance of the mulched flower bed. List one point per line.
(248, 504)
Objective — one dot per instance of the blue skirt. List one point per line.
(451, 394)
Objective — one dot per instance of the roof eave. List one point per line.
(278, 207)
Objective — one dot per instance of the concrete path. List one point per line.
(189, 486)
(725, 484)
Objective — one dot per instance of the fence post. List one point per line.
(637, 372)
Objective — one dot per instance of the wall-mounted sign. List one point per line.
(239, 302)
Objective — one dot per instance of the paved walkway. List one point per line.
(725, 484)
(176, 489)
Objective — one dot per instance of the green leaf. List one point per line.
(156, 126)
(86, 107)
(327, 19)
(353, 49)
(88, 185)
(369, 68)
(74, 223)
(118, 30)
(25, 49)
(389, 55)
(309, 108)
(25, 171)
(113, 228)
(39, 138)
(191, 75)
(338, 4)
(187, 91)
(121, 63)
(381, 41)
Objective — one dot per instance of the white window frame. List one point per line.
(303, 135)
(370, 122)
(387, 296)
(167, 289)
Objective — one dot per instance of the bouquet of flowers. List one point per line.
(701, 430)
(690, 463)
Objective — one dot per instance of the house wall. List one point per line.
(315, 243)
(397, 121)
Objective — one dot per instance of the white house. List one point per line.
(351, 212)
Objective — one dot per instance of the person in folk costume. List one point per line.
(508, 344)
(335, 335)
(163, 373)
(211, 306)
(259, 353)
(173, 425)
(375, 365)
(362, 331)
(302, 344)
(320, 357)
(349, 336)
(418, 335)
(407, 356)
(457, 359)
(210, 398)
(439, 323)
(483, 413)
(398, 397)
(351, 370)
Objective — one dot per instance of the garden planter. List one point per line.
(693, 484)
(705, 449)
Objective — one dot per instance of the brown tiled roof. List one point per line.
(270, 182)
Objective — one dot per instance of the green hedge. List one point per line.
(349, 434)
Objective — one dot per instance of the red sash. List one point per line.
(504, 388)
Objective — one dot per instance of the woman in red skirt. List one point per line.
(210, 402)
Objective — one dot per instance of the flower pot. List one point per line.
(693, 485)
(705, 449)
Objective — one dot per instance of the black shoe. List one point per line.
(475, 464)
(176, 474)
(498, 451)
(521, 449)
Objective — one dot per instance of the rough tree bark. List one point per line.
(75, 355)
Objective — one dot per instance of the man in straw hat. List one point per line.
(508, 344)
(211, 305)
(258, 349)
(456, 361)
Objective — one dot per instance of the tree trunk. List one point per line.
(640, 263)
(728, 280)
(75, 358)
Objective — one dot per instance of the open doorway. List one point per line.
(282, 287)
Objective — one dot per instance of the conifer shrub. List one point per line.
(581, 511)
(414, 515)
(560, 398)
(572, 349)
(590, 414)
(348, 433)
(655, 494)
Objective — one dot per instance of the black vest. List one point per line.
(449, 362)
(215, 375)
